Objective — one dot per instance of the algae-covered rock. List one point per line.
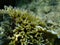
(23, 28)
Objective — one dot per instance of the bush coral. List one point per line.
(22, 28)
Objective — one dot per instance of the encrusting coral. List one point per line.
(23, 28)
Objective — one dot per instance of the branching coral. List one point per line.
(25, 29)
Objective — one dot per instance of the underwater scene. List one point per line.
(29, 22)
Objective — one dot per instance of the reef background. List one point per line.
(47, 10)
